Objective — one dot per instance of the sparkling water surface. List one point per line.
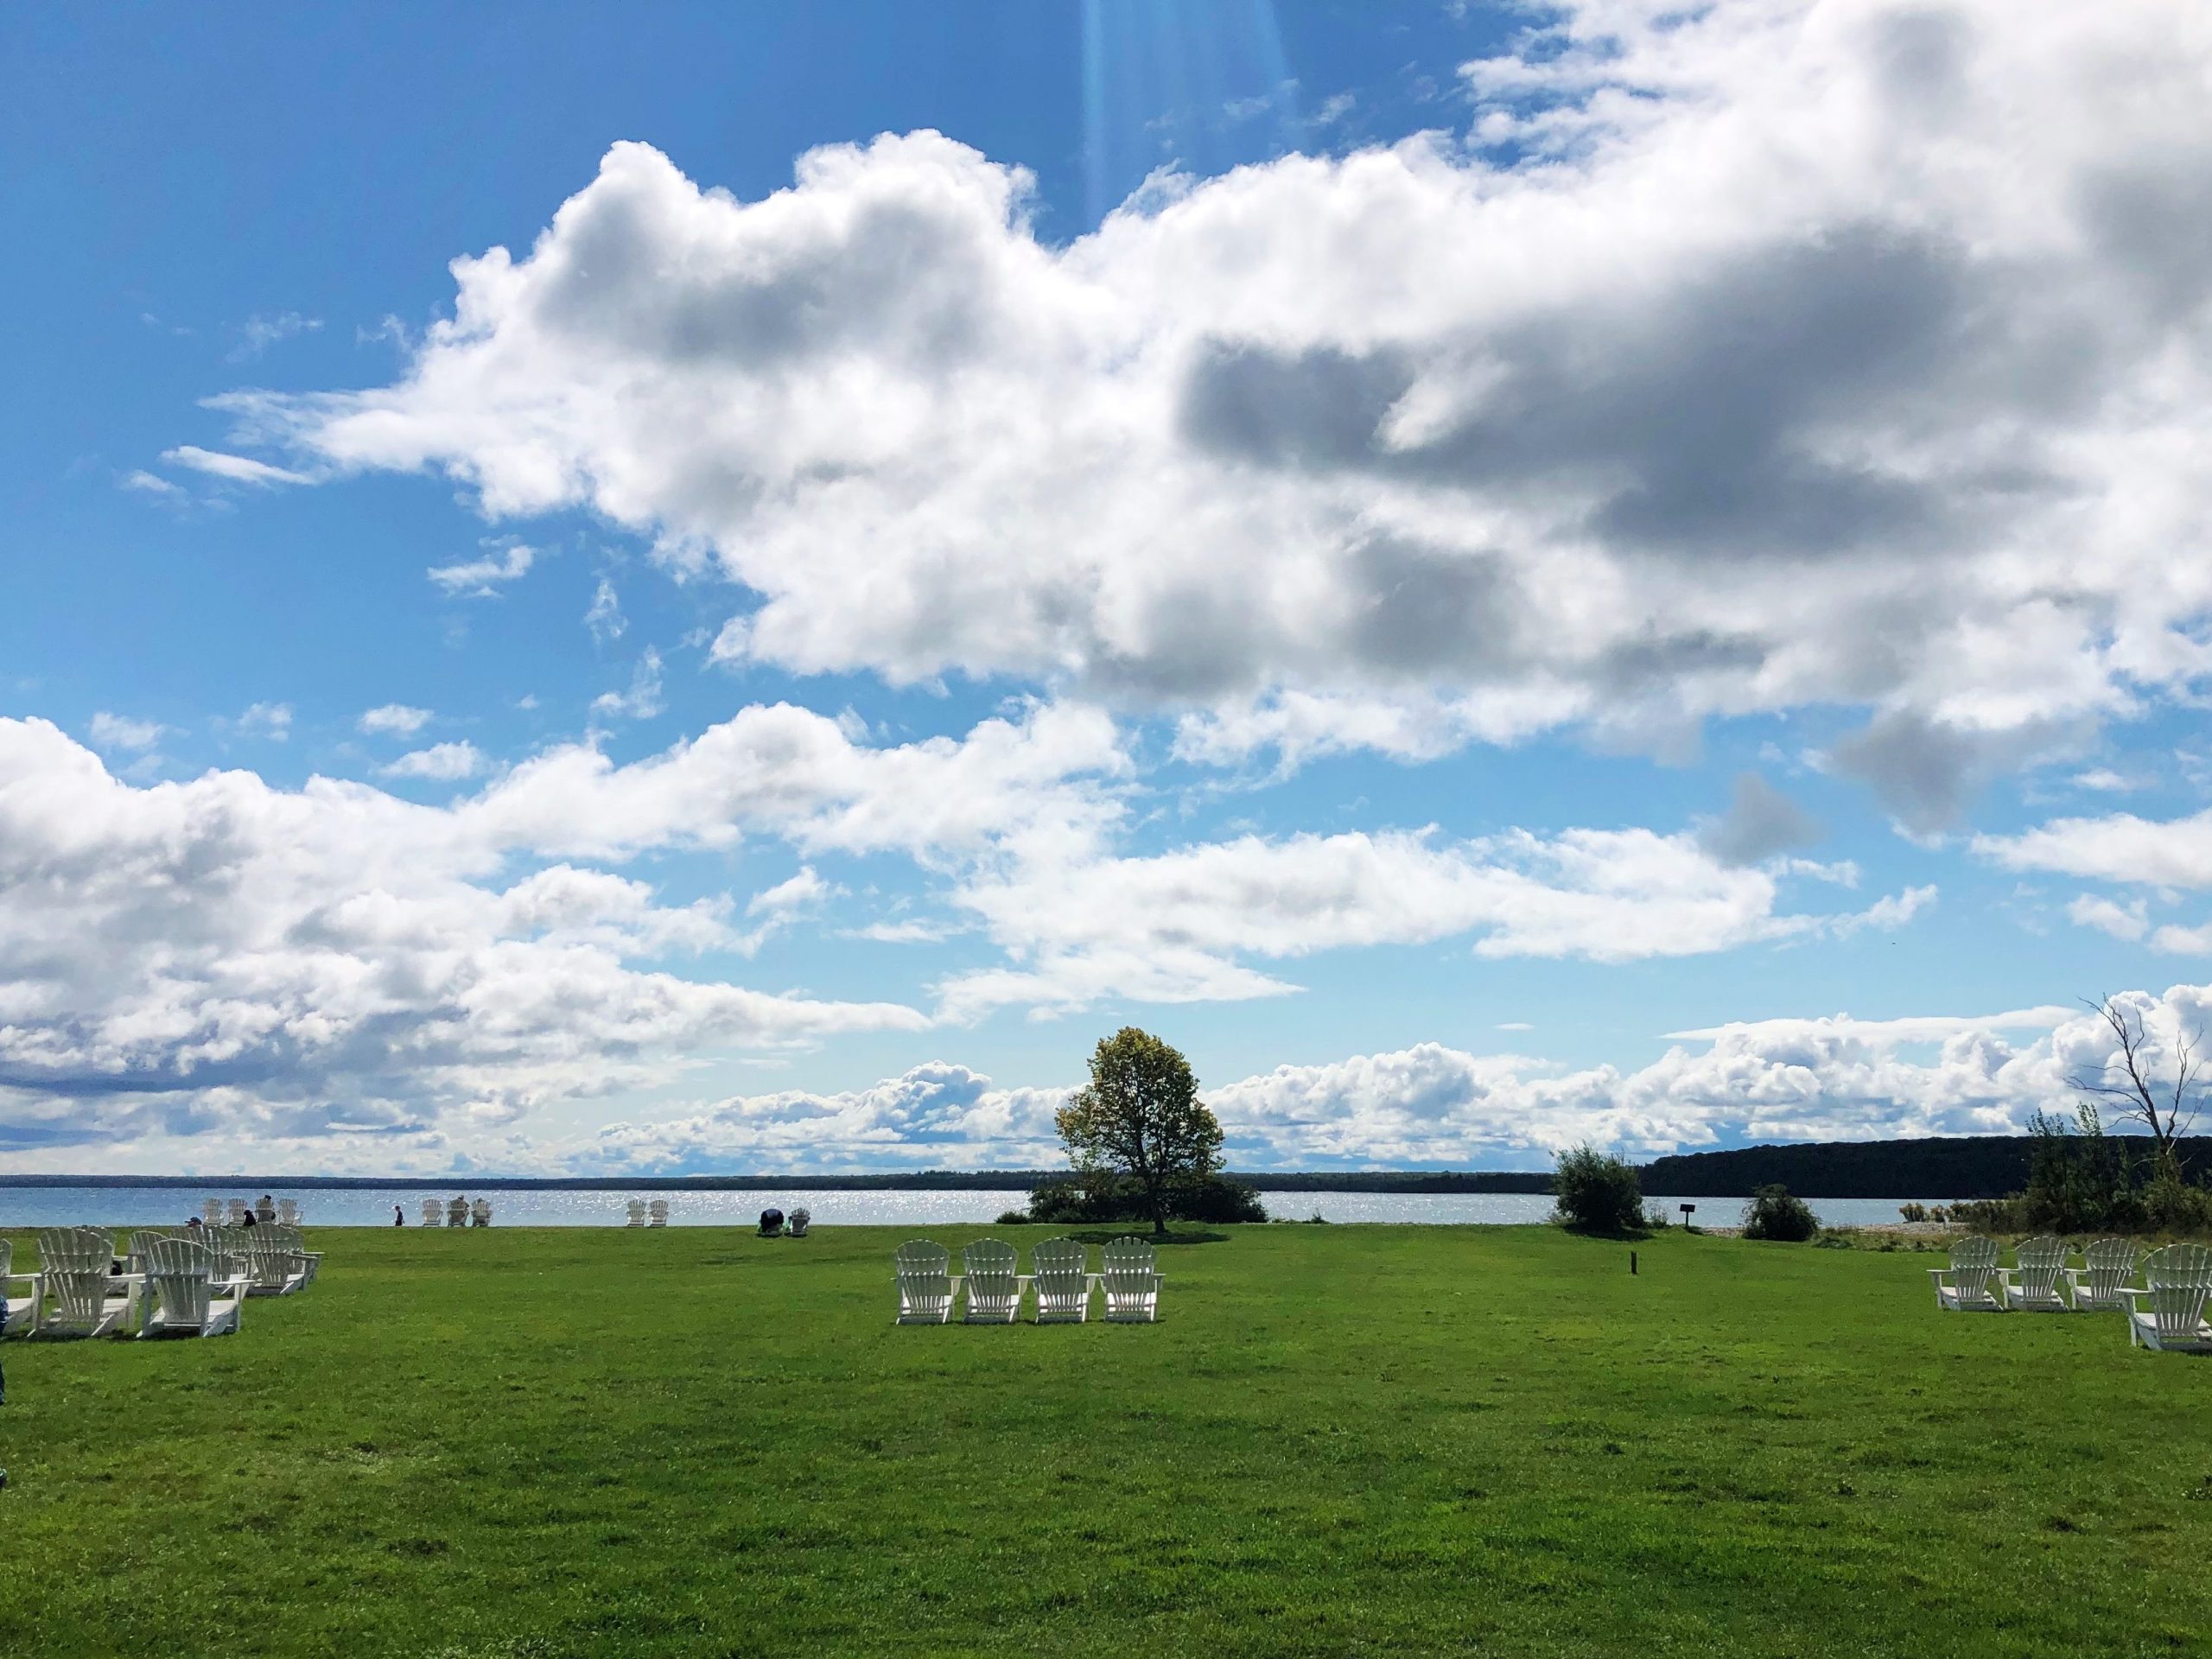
(155, 1206)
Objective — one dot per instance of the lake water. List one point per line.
(155, 1206)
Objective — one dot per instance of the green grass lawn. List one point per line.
(1338, 1441)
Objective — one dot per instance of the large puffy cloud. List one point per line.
(1773, 353)
(218, 953)
(1834, 1078)
(935, 1116)
(1173, 926)
(1435, 1106)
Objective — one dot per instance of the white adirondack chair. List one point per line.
(78, 1303)
(657, 1213)
(1132, 1284)
(457, 1212)
(264, 1213)
(214, 1212)
(225, 1254)
(992, 1268)
(1970, 1284)
(288, 1212)
(17, 1312)
(304, 1262)
(275, 1264)
(187, 1299)
(479, 1213)
(143, 1239)
(1063, 1281)
(237, 1213)
(924, 1283)
(637, 1212)
(2035, 1285)
(2180, 1281)
(798, 1222)
(2106, 1266)
(434, 1212)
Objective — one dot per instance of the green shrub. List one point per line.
(2170, 1206)
(1774, 1214)
(1012, 1218)
(1596, 1193)
(1102, 1195)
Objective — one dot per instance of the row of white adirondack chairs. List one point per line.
(2176, 1285)
(191, 1283)
(644, 1214)
(456, 1213)
(990, 1275)
(232, 1212)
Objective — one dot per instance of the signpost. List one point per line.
(1688, 1209)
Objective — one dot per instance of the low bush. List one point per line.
(1774, 1214)
(1100, 1196)
(1012, 1218)
(1597, 1192)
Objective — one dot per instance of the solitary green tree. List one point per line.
(1141, 1118)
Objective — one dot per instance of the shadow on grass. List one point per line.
(1174, 1236)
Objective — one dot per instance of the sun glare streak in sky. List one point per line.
(1198, 88)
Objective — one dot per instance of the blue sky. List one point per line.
(1422, 553)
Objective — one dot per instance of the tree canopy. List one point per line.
(1140, 1116)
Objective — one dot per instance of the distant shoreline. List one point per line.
(988, 1180)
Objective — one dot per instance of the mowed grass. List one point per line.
(1339, 1441)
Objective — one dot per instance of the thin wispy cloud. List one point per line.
(233, 469)
(258, 332)
(509, 562)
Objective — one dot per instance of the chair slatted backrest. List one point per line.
(237, 1213)
(225, 1248)
(1131, 1278)
(1063, 1278)
(181, 1274)
(637, 1212)
(214, 1212)
(1973, 1265)
(267, 1261)
(58, 1248)
(2042, 1264)
(287, 1211)
(2106, 1266)
(457, 1213)
(992, 1266)
(2180, 1278)
(142, 1243)
(925, 1272)
(657, 1213)
(433, 1211)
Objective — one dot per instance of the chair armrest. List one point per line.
(2131, 1293)
(1939, 1275)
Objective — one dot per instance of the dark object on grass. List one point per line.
(1597, 1192)
(772, 1222)
(1773, 1214)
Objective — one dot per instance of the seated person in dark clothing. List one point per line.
(772, 1222)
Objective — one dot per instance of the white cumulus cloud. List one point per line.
(1741, 358)
(444, 761)
(393, 719)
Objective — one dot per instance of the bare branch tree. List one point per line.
(2166, 1108)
